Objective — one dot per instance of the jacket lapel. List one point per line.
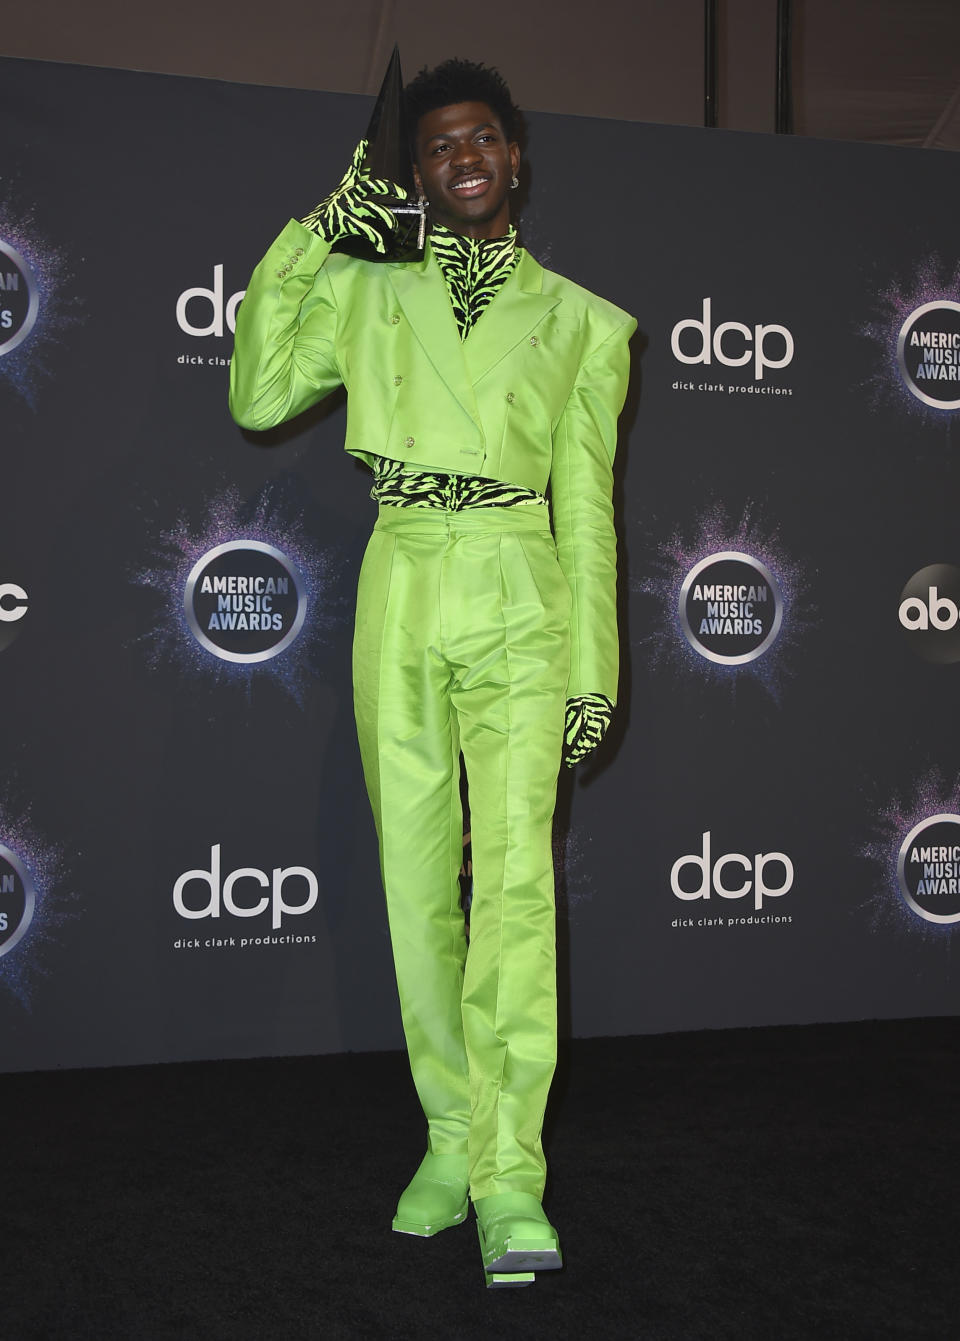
(422, 294)
(511, 317)
(513, 314)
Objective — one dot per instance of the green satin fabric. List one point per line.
(463, 642)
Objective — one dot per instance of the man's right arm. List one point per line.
(284, 355)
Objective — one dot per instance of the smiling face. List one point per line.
(464, 166)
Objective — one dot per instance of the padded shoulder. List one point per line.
(604, 316)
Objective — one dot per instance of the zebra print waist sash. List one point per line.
(400, 487)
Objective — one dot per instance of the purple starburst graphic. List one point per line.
(28, 366)
(229, 519)
(668, 648)
(931, 795)
(571, 864)
(27, 963)
(932, 282)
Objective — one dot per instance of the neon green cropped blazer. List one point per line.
(531, 397)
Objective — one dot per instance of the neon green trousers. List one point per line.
(462, 643)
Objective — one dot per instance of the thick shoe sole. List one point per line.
(521, 1260)
(527, 1256)
(427, 1231)
(508, 1280)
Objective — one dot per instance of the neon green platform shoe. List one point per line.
(516, 1238)
(435, 1198)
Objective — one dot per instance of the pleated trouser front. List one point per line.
(462, 643)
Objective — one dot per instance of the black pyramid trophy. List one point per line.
(388, 156)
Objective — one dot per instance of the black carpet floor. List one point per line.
(770, 1183)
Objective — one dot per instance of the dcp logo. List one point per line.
(17, 900)
(928, 354)
(928, 869)
(13, 606)
(730, 608)
(222, 892)
(245, 601)
(732, 343)
(930, 612)
(210, 302)
(19, 298)
(734, 875)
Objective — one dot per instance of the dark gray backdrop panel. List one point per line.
(134, 768)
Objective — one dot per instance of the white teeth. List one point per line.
(472, 181)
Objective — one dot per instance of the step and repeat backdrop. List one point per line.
(770, 835)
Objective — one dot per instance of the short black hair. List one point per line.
(461, 81)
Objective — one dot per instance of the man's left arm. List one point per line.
(581, 484)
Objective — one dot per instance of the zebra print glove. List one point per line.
(587, 719)
(352, 209)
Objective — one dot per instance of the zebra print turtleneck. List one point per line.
(474, 270)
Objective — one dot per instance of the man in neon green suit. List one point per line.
(475, 380)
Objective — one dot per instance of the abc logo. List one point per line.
(13, 602)
(732, 343)
(930, 612)
(13, 607)
(222, 891)
(733, 876)
(209, 303)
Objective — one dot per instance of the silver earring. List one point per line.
(514, 183)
